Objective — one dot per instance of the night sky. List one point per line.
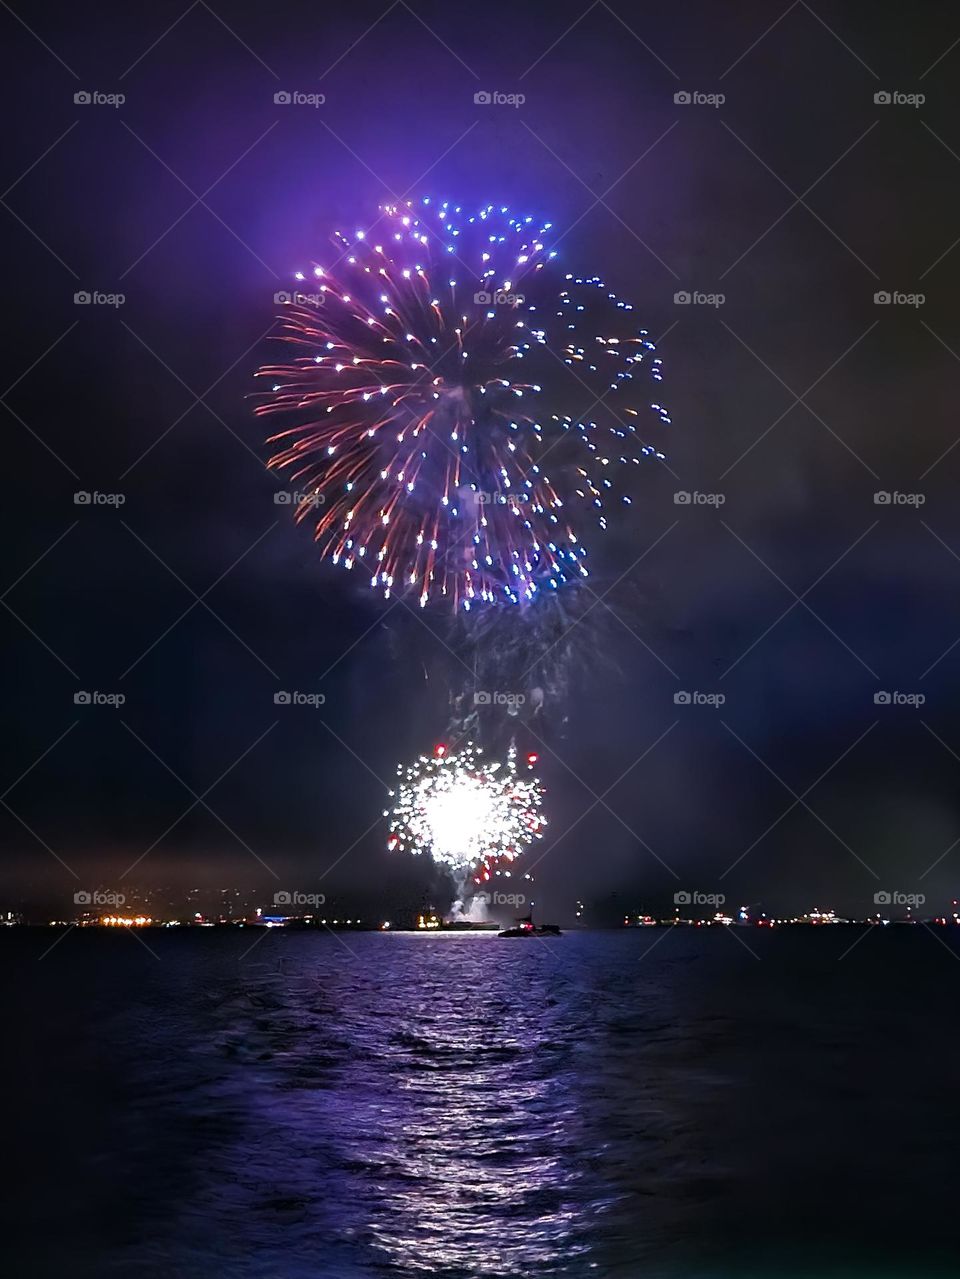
(798, 198)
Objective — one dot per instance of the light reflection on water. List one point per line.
(378, 1106)
(448, 1099)
(480, 1124)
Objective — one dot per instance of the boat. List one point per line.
(525, 927)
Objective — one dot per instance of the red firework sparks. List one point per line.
(425, 365)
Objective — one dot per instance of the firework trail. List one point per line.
(457, 408)
(470, 815)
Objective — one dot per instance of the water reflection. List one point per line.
(469, 1109)
(469, 1103)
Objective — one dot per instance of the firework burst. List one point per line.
(455, 407)
(469, 815)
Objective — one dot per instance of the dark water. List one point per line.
(627, 1104)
